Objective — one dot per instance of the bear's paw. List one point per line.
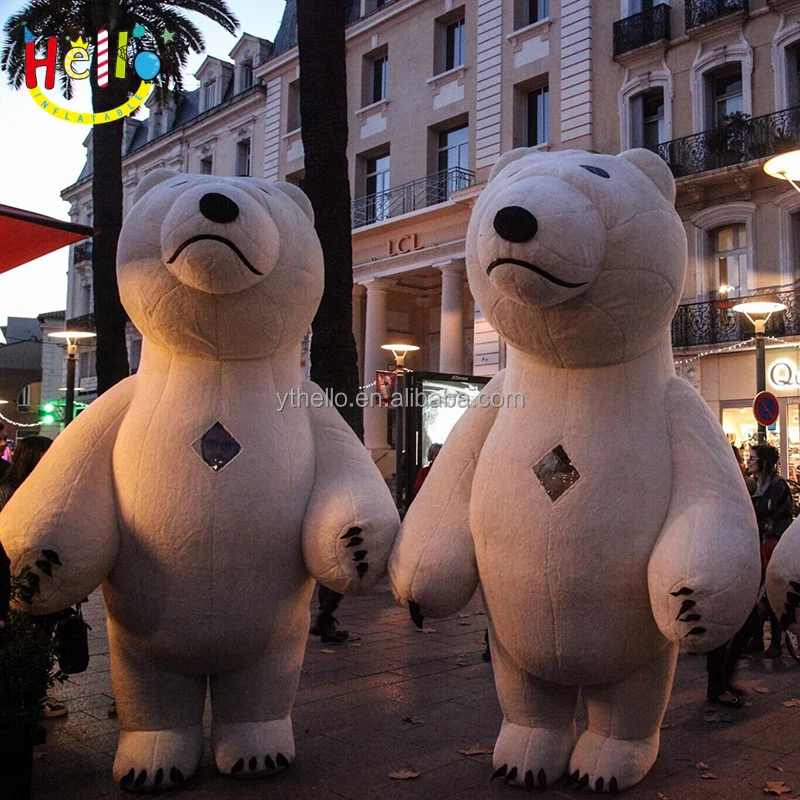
(605, 764)
(253, 749)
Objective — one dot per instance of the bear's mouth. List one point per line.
(533, 268)
(214, 238)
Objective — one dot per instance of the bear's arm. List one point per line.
(351, 520)
(62, 521)
(432, 568)
(705, 569)
(783, 578)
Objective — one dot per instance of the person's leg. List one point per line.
(774, 650)
(715, 664)
(325, 623)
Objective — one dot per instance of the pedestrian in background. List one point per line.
(433, 451)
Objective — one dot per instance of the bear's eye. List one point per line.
(595, 171)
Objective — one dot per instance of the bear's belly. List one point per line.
(564, 575)
(210, 565)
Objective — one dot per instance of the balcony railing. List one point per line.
(82, 252)
(715, 322)
(737, 140)
(411, 196)
(701, 12)
(642, 29)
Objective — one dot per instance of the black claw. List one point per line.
(542, 778)
(529, 779)
(512, 773)
(793, 598)
(612, 785)
(126, 779)
(176, 776)
(52, 556)
(598, 785)
(795, 585)
(142, 777)
(46, 567)
(362, 569)
(570, 779)
(690, 618)
(354, 542)
(416, 614)
(681, 592)
(685, 606)
(696, 631)
(500, 772)
(351, 533)
(159, 776)
(269, 763)
(253, 764)
(281, 760)
(359, 555)
(238, 766)
(583, 782)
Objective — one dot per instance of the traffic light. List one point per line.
(50, 414)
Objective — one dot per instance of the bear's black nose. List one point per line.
(515, 224)
(218, 208)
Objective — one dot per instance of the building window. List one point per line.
(638, 6)
(135, 355)
(24, 398)
(246, 80)
(648, 122)
(527, 12)
(379, 83)
(454, 34)
(209, 94)
(725, 92)
(156, 123)
(377, 187)
(453, 149)
(793, 75)
(243, 159)
(537, 120)
(207, 165)
(88, 364)
(729, 248)
(297, 179)
(293, 107)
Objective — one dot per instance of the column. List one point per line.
(375, 359)
(451, 328)
(358, 326)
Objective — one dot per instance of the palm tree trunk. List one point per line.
(107, 200)
(323, 110)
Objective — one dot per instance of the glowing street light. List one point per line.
(71, 338)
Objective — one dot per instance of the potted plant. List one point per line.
(727, 143)
(27, 656)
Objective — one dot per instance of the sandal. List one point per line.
(728, 699)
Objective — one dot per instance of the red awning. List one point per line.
(25, 236)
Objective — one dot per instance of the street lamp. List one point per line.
(785, 167)
(71, 338)
(399, 351)
(759, 312)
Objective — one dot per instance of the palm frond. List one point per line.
(216, 10)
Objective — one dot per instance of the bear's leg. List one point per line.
(252, 727)
(624, 721)
(538, 731)
(160, 719)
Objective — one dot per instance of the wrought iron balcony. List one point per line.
(642, 29)
(701, 12)
(411, 196)
(737, 140)
(82, 252)
(715, 321)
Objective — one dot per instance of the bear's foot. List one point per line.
(253, 749)
(152, 761)
(605, 764)
(532, 757)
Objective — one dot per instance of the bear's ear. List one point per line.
(655, 168)
(298, 195)
(510, 156)
(150, 180)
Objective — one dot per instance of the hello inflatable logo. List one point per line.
(77, 65)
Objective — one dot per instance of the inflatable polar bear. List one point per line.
(206, 511)
(606, 518)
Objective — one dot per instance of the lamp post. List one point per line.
(759, 312)
(71, 338)
(399, 351)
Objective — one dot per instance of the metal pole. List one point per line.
(761, 377)
(69, 405)
(399, 434)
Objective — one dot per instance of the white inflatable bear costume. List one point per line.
(600, 507)
(206, 510)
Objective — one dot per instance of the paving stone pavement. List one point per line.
(401, 699)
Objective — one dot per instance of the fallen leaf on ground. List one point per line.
(480, 613)
(327, 652)
(403, 774)
(465, 623)
(762, 690)
(413, 720)
(709, 776)
(662, 796)
(463, 616)
(429, 630)
(700, 765)
(776, 787)
(777, 768)
(793, 703)
(715, 716)
(666, 726)
(478, 750)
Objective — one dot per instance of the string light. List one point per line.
(19, 424)
(737, 346)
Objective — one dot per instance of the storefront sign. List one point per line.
(783, 374)
(405, 244)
